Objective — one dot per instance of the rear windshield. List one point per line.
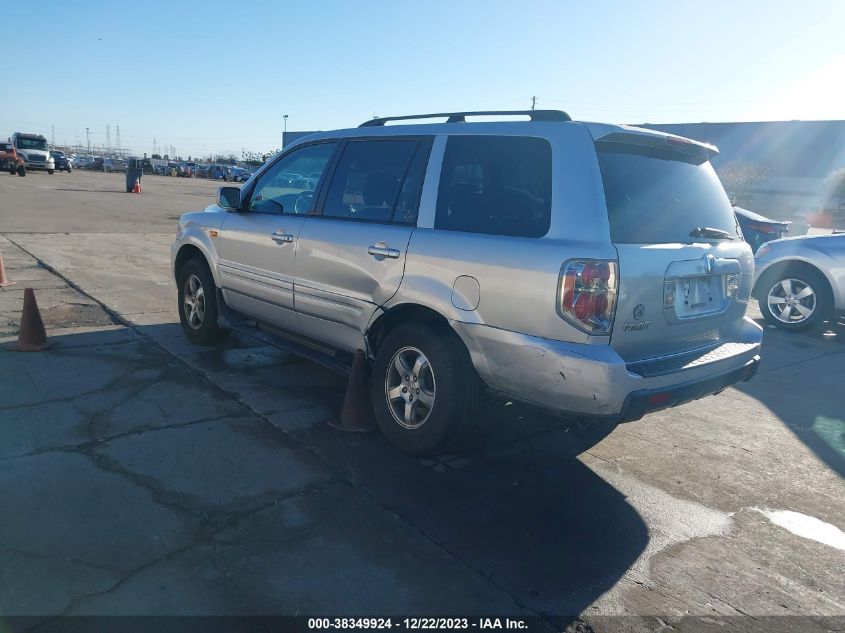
(655, 195)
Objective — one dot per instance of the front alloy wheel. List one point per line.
(198, 304)
(798, 300)
(193, 302)
(792, 301)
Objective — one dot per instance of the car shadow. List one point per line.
(523, 510)
(810, 404)
(519, 508)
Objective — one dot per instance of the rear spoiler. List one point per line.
(653, 139)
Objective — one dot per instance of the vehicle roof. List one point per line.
(510, 128)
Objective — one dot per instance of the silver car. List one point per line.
(800, 281)
(588, 269)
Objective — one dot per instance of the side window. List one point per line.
(499, 185)
(288, 186)
(375, 176)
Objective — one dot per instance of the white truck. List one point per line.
(33, 150)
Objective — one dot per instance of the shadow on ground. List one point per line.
(818, 422)
(520, 519)
(520, 509)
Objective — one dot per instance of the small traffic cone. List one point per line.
(4, 281)
(31, 337)
(137, 187)
(357, 415)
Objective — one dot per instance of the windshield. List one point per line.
(658, 196)
(32, 143)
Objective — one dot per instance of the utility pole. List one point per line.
(533, 102)
(285, 130)
(53, 129)
(108, 138)
(117, 140)
(155, 151)
(88, 138)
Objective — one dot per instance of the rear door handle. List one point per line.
(280, 237)
(381, 249)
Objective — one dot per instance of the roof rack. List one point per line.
(460, 117)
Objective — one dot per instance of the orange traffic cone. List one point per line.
(4, 281)
(137, 187)
(357, 415)
(32, 337)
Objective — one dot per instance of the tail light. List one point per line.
(587, 294)
(769, 229)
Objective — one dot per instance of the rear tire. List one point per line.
(795, 299)
(198, 304)
(428, 407)
(50, 171)
(21, 171)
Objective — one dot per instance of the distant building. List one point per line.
(794, 156)
(290, 137)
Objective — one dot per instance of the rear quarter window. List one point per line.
(498, 185)
(656, 195)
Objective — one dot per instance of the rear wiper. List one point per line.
(706, 231)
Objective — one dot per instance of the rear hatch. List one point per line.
(684, 270)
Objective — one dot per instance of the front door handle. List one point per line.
(380, 249)
(280, 237)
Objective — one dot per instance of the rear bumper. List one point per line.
(638, 403)
(593, 380)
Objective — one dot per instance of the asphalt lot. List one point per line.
(141, 475)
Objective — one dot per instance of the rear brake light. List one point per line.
(587, 294)
(766, 228)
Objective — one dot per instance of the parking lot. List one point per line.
(142, 475)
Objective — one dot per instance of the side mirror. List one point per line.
(229, 198)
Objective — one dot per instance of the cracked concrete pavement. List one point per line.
(142, 475)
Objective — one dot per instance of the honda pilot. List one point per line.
(588, 269)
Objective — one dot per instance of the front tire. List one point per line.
(424, 388)
(21, 171)
(795, 300)
(50, 171)
(198, 304)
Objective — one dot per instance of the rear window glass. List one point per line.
(659, 196)
(499, 185)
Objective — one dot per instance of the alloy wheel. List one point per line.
(409, 388)
(792, 301)
(194, 301)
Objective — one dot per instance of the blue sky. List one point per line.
(218, 76)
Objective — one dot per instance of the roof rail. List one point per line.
(460, 117)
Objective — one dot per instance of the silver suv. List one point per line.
(591, 269)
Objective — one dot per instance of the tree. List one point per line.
(833, 190)
(156, 156)
(738, 176)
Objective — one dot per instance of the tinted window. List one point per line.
(368, 179)
(659, 196)
(501, 185)
(408, 203)
(284, 187)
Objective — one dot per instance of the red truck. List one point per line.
(9, 159)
